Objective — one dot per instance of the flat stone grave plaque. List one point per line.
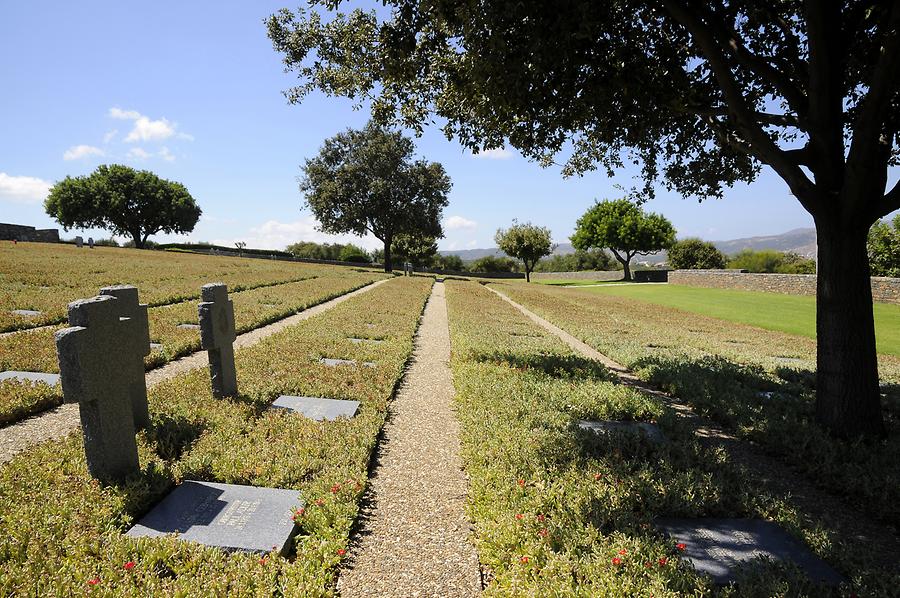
(155, 346)
(50, 379)
(316, 408)
(28, 313)
(228, 516)
(336, 362)
(358, 341)
(717, 547)
(649, 431)
(190, 326)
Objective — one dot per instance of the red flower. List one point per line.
(262, 561)
(541, 518)
(129, 565)
(663, 561)
(524, 559)
(341, 552)
(681, 546)
(335, 488)
(319, 502)
(648, 564)
(623, 552)
(93, 582)
(544, 533)
(597, 476)
(521, 483)
(519, 516)
(617, 561)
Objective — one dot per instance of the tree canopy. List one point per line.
(884, 248)
(699, 94)
(125, 201)
(577, 261)
(418, 250)
(525, 241)
(623, 228)
(693, 253)
(367, 181)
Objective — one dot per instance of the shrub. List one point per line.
(694, 253)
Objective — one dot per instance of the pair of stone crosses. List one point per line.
(101, 364)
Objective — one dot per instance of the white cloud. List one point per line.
(472, 244)
(278, 235)
(23, 189)
(110, 135)
(166, 155)
(137, 153)
(76, 152)
(146, 129)
(459, 223)
(498, 153)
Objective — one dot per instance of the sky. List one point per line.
(193, 92)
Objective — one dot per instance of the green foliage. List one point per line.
(106, 242)
(884, 248)
(450, 263)
(770, 260)
(694, 253)
(578, 261)
(367, 181)
(526, 242)
(417, 249)
(623, 228)
(493, 264)
(353, 253)
(127, 202)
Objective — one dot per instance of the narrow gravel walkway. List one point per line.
(817, 506)
(59, 421)
(414, 537)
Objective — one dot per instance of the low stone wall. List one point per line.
(19, 232)
(884, 290)
(585, 275)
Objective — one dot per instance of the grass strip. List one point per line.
(562, 512)
(61, 532)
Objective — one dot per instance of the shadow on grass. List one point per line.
(173, 435)
(558, 366)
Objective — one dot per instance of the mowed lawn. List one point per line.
(787, 313)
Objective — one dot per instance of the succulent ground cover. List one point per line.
(757, 383)
(61, 532)
(35, 350)
(47, 276)
(559, 511)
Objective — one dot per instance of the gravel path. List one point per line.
(414, 536)
(817, 506)
(59, 421)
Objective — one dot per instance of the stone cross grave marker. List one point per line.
(316, 408)
(216, 337)
(91, 242)
(717, 547)
(227, 516)
(650, 431)
(136, 343)
(96, 374)
(79, 242)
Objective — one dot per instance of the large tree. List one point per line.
(702, 94)
(693, 253)
(125, 201)
(418, 250)
(525, 241)
(623, 228)
(367, 181)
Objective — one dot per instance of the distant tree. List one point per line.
(125, 201)
(579, 260)
(106, 242)
(353, 253)
(240, 246)
(367, 181)
(693, 254)
(415, 249)
(526, 242)
(772, 261)
(794, 263)
(884, 248)
(450, 263)
(315, 251)
(490, 263)
(623, 228)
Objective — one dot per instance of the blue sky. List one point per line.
(192, 91)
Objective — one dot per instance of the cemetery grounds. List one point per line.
(556, 510)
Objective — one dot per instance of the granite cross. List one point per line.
(216, 337)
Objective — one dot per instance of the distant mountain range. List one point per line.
(799, 240)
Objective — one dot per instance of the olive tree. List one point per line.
(525, 242)
(700, 94)
(125, 201)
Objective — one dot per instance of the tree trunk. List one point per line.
(388, 265)
(848, 402)
(138, 241)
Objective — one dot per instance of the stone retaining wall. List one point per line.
(19, 232)
(884, 290)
